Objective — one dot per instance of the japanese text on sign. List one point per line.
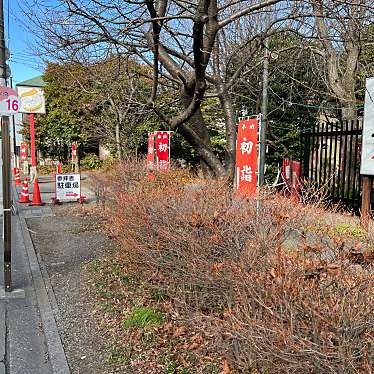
(162, 150)
(68, 187)
(23, 151)
(246, 157)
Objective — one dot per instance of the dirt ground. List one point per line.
(66, 243)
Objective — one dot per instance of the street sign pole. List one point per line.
(33, 152)
(264, 110)
(16, 163)
(7, 216)
(32, 136)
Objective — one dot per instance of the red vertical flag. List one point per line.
(246, 157)
(162, 150)
(291, 174)
(24, 151)
(150, 167)
(296, 178)
(74, 151)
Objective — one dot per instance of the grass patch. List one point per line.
(94, 266)
(348, 230)
(143, 317)
(159, 295)
(171, 366)
(121, 356)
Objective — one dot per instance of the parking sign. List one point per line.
(67, 187)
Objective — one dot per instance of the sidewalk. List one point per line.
(29, 341)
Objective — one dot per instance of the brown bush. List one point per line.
(266, 278)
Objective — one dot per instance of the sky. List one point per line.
(23, 63)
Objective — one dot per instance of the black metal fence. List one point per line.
(331, 160)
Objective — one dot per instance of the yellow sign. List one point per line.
(31, 99)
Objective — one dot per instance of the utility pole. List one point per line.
(7, 216)
(264, 112)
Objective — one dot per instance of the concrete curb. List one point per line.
(54, 344)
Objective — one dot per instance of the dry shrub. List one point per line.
(265, 278)
(130, 176)
(303, 316)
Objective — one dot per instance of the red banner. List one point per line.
(246, 157)
(74, 151)
(150, 167)
(162, 150)
(291, 174)
(296, 178)
(24, 151)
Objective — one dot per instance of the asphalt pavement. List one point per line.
(29, 339)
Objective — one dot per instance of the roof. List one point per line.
(33, 82)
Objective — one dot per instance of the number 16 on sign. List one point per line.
(9, 103)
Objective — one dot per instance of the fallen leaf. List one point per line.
(226, 368)
(179, 331)
(227, 312)
(272, 273)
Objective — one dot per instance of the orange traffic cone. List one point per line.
(36, 198)
(25, 193)
(17, 177)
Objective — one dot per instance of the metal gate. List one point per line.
(331, 160)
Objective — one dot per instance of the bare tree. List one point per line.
(119, 88)
(182, 36)
(338, 28)
(190, 46)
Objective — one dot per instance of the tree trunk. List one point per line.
(229, 114)
(348, 114)
(349, 110)
(210, 163)
(118, 141)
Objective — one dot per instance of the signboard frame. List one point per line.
(247, 157)
(35, 92)
(162, 147)
(78, 198)
(367, 150)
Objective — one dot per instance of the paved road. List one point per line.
(29, 339)
(23, 344)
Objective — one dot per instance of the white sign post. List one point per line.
(67, 188)
(32, 101)
(367, 153)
